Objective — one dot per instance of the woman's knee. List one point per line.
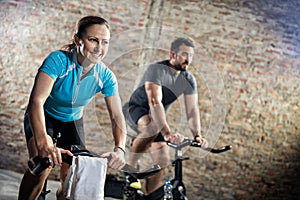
(64, 171)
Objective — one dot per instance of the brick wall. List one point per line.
(247, 65)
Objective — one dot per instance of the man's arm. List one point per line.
(192, 113)
(158, 115)
(193, 117)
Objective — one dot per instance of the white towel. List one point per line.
(86, 178)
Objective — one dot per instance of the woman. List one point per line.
(67, 80)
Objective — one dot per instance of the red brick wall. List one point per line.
(246, 62)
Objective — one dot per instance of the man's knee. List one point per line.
(160, 153)
(147, 127)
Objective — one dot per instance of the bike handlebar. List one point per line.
(127, 168)
(37, 165)
(193, 143)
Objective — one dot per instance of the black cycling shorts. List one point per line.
(133, 113)
(69, 133)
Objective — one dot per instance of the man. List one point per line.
(162, 83)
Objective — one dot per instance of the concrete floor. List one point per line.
(10, 181)
(9, 185)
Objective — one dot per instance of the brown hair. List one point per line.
(179, 41)
(82, 25)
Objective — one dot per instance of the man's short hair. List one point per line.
(179, 41)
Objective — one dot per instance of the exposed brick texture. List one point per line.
(247, 64)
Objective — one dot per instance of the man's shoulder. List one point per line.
(160, 65)
(188, 75)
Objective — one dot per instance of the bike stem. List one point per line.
(178, 164)
(178, 157)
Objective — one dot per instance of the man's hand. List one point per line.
(116, 160)
(174, 138)
(202, 141)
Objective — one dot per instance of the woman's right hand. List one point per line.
(54, 153)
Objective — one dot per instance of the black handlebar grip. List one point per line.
(37, 165)
(219, 150)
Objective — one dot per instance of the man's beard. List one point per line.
(180, 67)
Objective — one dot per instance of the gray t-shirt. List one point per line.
(173, 84)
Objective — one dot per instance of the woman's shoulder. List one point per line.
(57, 63)
(61, 54)
(101, 67)
(103, 70)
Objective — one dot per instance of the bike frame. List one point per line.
(179, 190)
(79, 151)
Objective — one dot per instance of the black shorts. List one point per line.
(69, 133)
(133, 113)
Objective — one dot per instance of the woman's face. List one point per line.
(93, 44)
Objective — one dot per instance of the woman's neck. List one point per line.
(85, 63)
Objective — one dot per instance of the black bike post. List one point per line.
(178, 185)
(178, 165)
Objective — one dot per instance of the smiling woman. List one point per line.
(91, 41)
(66, 82)
(93, 44)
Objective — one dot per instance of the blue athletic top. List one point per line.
(70, 94)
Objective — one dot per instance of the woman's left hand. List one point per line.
(116, 160)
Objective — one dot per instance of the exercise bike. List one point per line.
(79, 151)
(123, 190)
